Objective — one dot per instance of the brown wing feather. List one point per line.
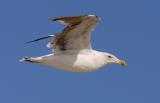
(69, 19)
(60, 38)
(76, 35)
(72, 21)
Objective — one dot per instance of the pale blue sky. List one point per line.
(130, 29)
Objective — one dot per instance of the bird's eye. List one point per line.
(109, 56)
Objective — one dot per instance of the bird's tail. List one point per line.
(45, 37)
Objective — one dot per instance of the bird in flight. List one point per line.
(72, 47)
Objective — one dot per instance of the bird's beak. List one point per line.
(121, 62)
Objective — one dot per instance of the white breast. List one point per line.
(76, 62)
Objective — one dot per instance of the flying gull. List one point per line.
(72, 47)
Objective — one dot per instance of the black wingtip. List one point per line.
(53, 19)
(45, 37)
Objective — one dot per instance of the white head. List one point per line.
(110, 58)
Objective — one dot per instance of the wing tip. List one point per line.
(52, 19)
(23, 59)
(44, 37)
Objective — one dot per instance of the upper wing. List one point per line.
(76, 35)
(69, 20)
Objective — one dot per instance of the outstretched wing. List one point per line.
(76, 34)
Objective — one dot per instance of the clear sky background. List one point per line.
(130, 29)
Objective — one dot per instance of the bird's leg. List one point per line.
(31, 59)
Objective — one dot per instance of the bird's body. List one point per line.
(73, 50)
(76, 61)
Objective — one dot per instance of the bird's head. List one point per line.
(111, 59)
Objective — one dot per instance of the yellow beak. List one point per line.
(121, 62)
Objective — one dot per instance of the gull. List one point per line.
(72, 49)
